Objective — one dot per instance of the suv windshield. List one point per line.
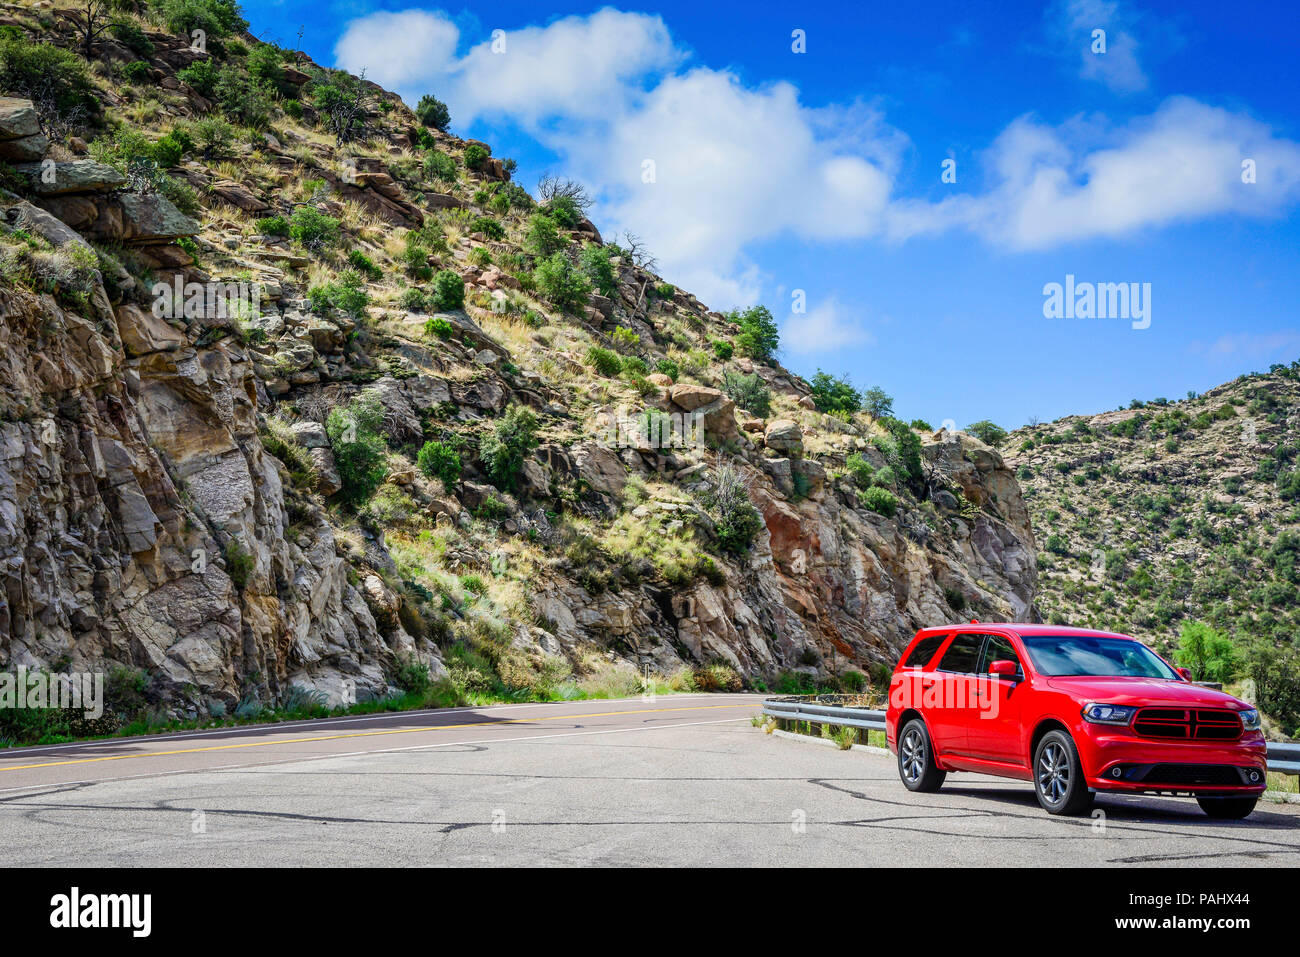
(1060, 655)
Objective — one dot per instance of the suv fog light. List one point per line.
(1117, 772)
(1254, 776)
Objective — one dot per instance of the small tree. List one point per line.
(749, 392)
(342, 100)
(987, 432)
(440, 459)
(562, 283)
(359, 448)
(832, 394)
(448, 291)
(759, 336)
(431, 111)
(542, 237)
(91, 23)
(1209, 654)
(502, 451)
(877, 402)
(738, 522)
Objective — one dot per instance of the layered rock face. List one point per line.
(169, 491)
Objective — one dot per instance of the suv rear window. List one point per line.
(963, 654)
(923, 651)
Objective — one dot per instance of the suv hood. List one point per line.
(1143, 691)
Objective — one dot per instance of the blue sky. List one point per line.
(776, 172)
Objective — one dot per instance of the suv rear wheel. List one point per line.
(1229, 809)
(916, 759)
(1058, 776)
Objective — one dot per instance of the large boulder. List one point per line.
(785, 436)
(714, 408)
(78, 176)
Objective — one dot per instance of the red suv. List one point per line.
(1072, 710)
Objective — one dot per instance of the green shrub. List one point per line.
(239, 563)
(132, 37)
(216, 18)
(440, 459)
(877, 403)
(137, 71)
(987, 432)
(488, 226)
(758, 336)
(437, 326)
(605, 361)
(348, 295)
(834, 394)
(243, 97)
(448, 291)
(414, 300)
(359, 448)
(542, 237)
(562, 283)
(54, 78)
(749, 392)
(738, 522)
(365, 265)
(476, 156)
(860, 470)
(596, 266)
(273, 226)
(201, 76)
(432, 112)
(502, 450)
(723, 349)
(879, 500)
(312, 228)
(440, 166)
(669, 368)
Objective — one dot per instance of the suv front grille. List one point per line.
(1193, 774)
(1193, 724)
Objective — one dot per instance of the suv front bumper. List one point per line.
(1117, 759)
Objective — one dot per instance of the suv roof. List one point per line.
(1026, 628)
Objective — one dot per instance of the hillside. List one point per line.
(1174, 512)
(303, 396)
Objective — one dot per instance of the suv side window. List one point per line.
(999, 648)
(962, 655)
(924, 651)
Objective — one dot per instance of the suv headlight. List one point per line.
(1098, 713)
(1250, 719)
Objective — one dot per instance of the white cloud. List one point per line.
(1079, 181)
(1071, 24)
(737, 165)
(1254, 346)
(825, 327)
(398, 49)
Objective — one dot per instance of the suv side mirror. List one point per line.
(1003, 669)
(1186, 673)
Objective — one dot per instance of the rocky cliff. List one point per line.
(242, 500)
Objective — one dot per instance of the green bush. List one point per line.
(542, 237)
(476, 156)
(273, 226)
(348, 295)
(605, 361)
(137, 72)
(758, 336)
(596, 266)
(489, 227)
(879, 500)
(562, 283)
(669, 368)
(441, 460)
(723, 349)
(54, 78)
(1209, 654)
(359, 448)
(312, 228)
(987, 432)
(414, 300)
(432, 112)
(860, 470)
(502, 450)
(365, 265)
(738, 522)
(749, 392)
(448, 291)
(216, 18)
(239, 563)
(440, 166)
(877, 403)
(565, 211)
(834, 394)
(437, 326)
(132, 37)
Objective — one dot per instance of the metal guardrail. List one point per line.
(1283, 758)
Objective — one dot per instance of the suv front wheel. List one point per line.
(1058, 776)
(916, 759)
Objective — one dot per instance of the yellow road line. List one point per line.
(365, 734)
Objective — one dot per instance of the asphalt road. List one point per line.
(680, 780)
